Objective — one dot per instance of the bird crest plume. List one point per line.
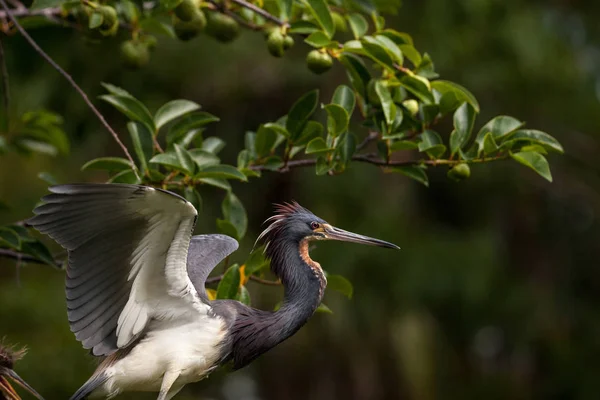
(283, 212)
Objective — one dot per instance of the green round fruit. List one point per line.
(318, 61)
(276, 43)
(412, 106)
(459, 172)
(188, 30)
(134, 54)
(222, 27)
(288, 42)
(187, 10)
(339, 22)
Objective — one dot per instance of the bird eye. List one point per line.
(314, 225)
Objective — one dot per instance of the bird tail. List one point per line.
(92, 384)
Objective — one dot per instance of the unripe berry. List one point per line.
(319, 62)
(134, 54)
(222, 27)
(275, 43)
(459, 172)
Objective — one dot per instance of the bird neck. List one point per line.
(256, 331)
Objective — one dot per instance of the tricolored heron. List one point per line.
(135, 285)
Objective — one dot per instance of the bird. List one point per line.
(135, 285)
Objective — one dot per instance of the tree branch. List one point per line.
(71, 81)
(260, 12)
(15, 255)
(25, 12)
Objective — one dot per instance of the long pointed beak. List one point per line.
(15, 377)
(333, 233)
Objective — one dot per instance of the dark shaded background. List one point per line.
(495, 292)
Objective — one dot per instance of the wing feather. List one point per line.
(127, 248)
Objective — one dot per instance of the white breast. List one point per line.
(192, 349)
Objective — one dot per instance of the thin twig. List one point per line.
(218, 278)
(71, 81)
(373, 135)
(260, 12)
(370, 159)
(5, 86)
(25, 12)
(15, 255)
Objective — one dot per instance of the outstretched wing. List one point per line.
(206, 251)
(128, 248)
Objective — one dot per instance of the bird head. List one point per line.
(296, 223)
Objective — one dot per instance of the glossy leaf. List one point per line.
(431, 143)
(221, 172)
(125, 176)
(192, 195)
(185, 159)
(9, 238)
(317, 146)
(344, 96)
(461, 93)
(358, 73)
(418, 86)
(377, 52)
(489, 144)
(322, 14)
(534, 136)
(243, 296)
(132, 108)
(318, 39)
(464, 118)
(535, 161)
(48, 178)
(387, 104)
(143, 143)
(392, 48)
(213, 144)
(265, 140)
(203, 158)
(256, 262)
(300, 112)
(323, 309)
(500, 127)
(229, 285)
(187, 123)
(173, 110)
(403, 145)
(95, 21)
(39, 251)
(340, 284)
(311, 130)
(347, 147)
(358, 25)
(337, 119)
(216, 182)
(234, 212)
(107, 164)
(414, 172)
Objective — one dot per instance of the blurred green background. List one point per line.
(496, 292)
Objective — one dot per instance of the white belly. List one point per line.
(191, 349)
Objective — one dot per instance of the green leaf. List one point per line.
(464, 118)
(96, 20)
(39, 4)
(192, 195)
(243, 296)
(229, 285)
(344, 96)
(392, 48)
(265, 140)
(9, 238)
(535, 161)
(317, 146)
(323, 309)
(414, 172)
(203, 158)
(173, 110)
(418, 86)
(187, 123)
(185, 159)
(256, 262)
(216, 182)
(410, 52)
(340, 284)
(358, 73)
(285, 8)
(377, 52)
(112, 89)
(322, 14)
(400, 38)
(431, 143)
(322, 166)
(311, 130)
(534, 136)
(154, 26)
(303, 27)
(143, 143)
(358, 25)
(489, 144)
(337, 120)
(221, 171)
(347, 147)
(24, 234)
(168, 159)
(213, 144)
(107, 163)
(126, 176)
(132, 108)
(388, 105)
(461, 93)
(300, 112)
(225, 227)
(403, 145)
(501, 128)
(317, 39)
(234, 212)
(38, 250)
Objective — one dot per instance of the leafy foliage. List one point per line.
(388, 114)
